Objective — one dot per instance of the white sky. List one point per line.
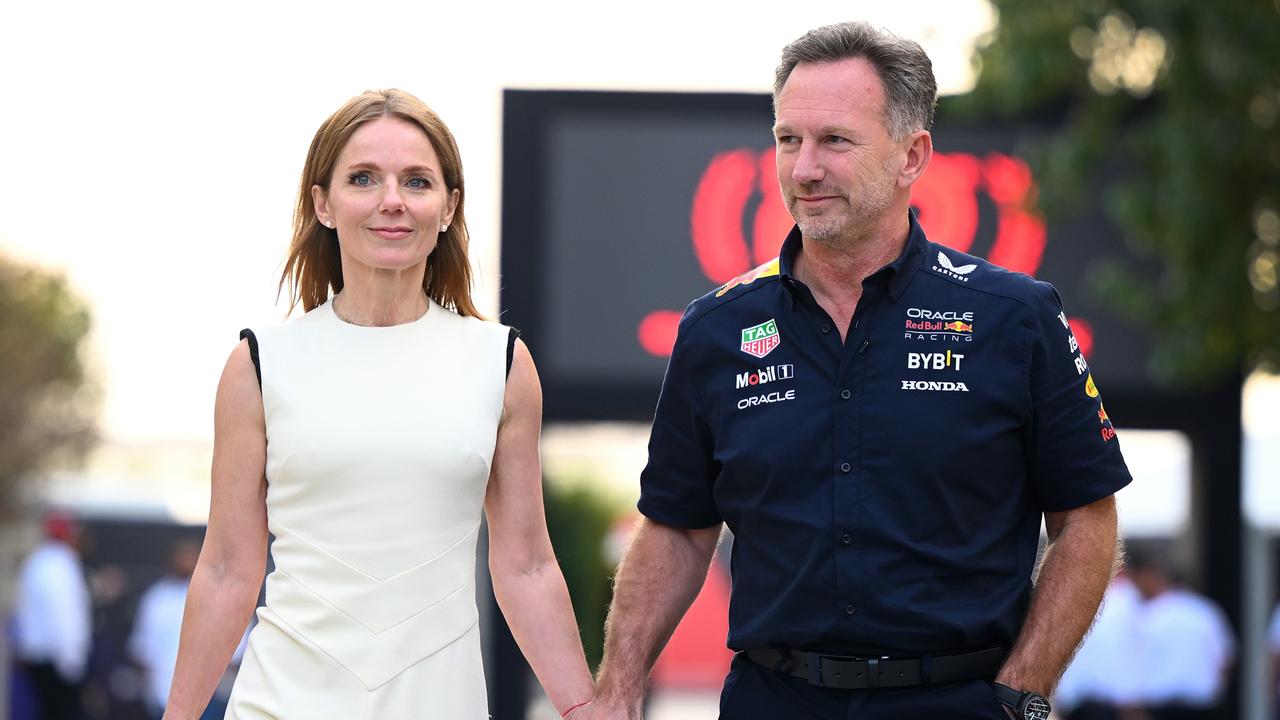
(152, 150)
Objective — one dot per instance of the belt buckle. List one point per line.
(814, 670)
(868, 665)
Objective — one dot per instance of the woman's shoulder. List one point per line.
(297, 321)
(474, 324)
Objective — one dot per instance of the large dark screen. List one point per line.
(620, 208)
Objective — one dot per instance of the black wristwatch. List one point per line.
(1026, 705)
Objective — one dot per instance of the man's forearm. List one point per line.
(662, 572)
(1078, 563)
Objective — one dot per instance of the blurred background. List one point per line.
(618, 159)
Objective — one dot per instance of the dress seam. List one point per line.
(473, 531)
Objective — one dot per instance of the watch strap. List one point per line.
(1026, 705)
(1007, 696)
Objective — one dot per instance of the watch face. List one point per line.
(1037, 708)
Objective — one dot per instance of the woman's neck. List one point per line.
(381, 300)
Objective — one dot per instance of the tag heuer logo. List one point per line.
(761, 339)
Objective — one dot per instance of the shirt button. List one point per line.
(849, 609)
(845, 467)
(845, 394)
(826, 329)
(846, 538)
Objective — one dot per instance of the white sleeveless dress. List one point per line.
(379, 442)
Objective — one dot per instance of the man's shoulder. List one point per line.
(982, 276)
(733, 293)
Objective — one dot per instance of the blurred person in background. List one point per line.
(397, 415)
(886, 489)
(1101, 679)
(53, 619)
(153, 643)
(1273, 654)
(1185, 647)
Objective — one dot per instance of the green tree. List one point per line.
(1179, 100)
(47, 407)
(578, 520)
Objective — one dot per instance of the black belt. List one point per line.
(854, 673)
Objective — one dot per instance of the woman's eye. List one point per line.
(360, 179)
(419, 183)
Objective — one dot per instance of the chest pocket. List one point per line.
(942, 431)
(771, 422)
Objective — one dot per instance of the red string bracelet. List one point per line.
(565, 714)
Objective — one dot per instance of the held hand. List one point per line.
(601, 709)
(577, 712)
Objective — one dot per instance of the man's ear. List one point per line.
(919, 150)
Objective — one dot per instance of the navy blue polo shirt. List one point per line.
(885, 493)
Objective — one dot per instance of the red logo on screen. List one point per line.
(738, 219)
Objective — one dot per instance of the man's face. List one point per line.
(838, 165)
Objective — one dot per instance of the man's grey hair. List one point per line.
(910, 90)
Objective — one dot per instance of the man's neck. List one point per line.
(834, 270)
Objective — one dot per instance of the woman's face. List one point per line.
(387, 197)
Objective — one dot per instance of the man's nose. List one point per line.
(808, 166)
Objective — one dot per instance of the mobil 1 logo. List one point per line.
(764, 375)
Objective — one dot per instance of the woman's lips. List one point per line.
(392, 233)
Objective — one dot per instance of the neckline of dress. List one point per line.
(432, 309)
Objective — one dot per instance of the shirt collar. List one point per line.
(913, 253)
(901, 270)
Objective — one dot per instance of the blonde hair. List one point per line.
(314, 266)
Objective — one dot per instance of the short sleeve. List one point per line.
(676, 487)
(247, 334)
(1074, 453)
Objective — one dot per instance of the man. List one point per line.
(52, 619)
(881, 422)
(153, 643)
(1101, 679)
(1185, 648)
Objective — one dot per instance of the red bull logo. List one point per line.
(955, 327)
(1108, 431)
(765, 270)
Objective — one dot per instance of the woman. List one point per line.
(366, 436)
